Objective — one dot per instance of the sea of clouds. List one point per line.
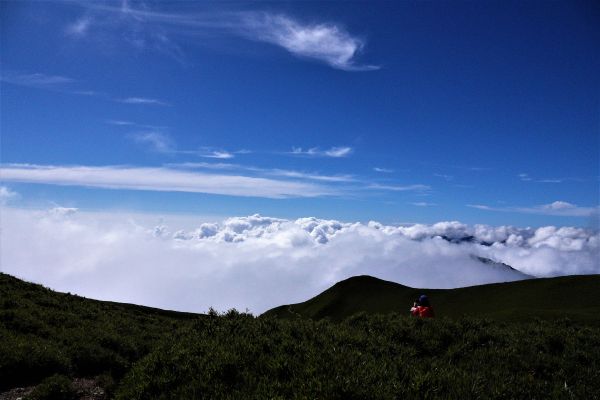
(258, 262)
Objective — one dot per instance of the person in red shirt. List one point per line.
(422, 308)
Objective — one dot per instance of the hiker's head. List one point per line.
(423, 301)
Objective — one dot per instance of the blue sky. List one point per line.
(483, 112)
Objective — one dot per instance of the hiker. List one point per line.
(422, 308)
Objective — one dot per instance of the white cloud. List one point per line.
(400, 188)
(7, 195)
(143, 100)
(338, 151)
(267, 171)
(36, 80)
(161, 179)
(61, 212)
(550, 180)
(207, 165)
(423, 204)
(329, 42)
(334, 152)
(385, 170)
(325, 42)
(124, 123)
(526, 178)
(218, 154)
(557, 208)
(80, 27)
(444, 176)
(260, 262)
(157, 141)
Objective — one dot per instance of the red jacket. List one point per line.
(421, 311)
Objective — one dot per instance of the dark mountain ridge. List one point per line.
(574, 297)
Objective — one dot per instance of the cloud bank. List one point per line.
(260, 262)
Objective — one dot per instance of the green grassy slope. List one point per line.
(135, 352)
(43, 332)
(575, 297)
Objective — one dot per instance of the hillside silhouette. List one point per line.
(573, 297)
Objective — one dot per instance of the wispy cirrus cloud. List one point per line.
(159, 141)
(143, 100)
(162, 179)
(557, 208)
(527, 178)
(334, 152)
(400, 188)
(446, 177)
(220, 154)
(326, 42)
(124, 123)
(178, 178)
(384, 170)
(79, 27)
(36, 80)
(267, 171)
(312, 176)
(423, 204)
(156, 141)
(524, 177)
(67, 85)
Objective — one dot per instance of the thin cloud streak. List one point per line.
(400, 188)
(557, 208)
(334, 152)
(161, 179)
(423, 204)
(64, 84)
(117, 122)
(266, 171)
(223, 155)
(143, 100)
(36, 80)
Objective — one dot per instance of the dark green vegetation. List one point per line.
(573, 297)
(370, 357)
(144, 353)
(43, 333)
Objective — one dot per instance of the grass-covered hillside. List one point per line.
(43, 332)
(574, 297)
(60, 346)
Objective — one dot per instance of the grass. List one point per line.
(43, 333)
(48, 339)
(371, 357)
